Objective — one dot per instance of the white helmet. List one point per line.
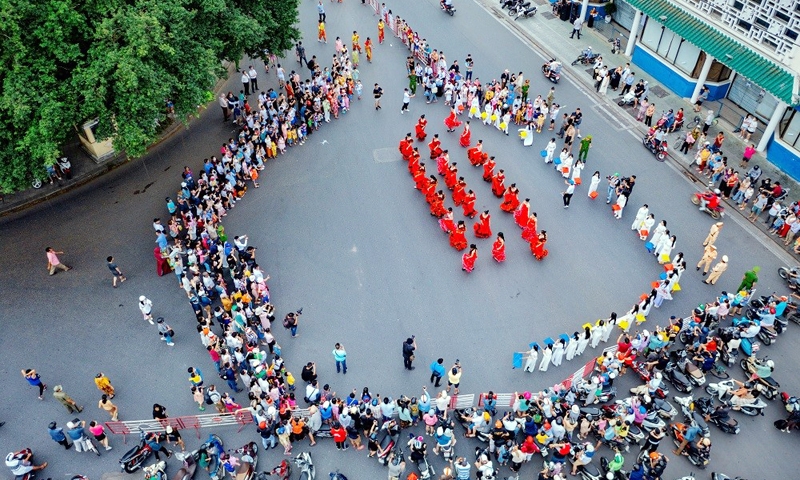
(142, 298)
(717, 191)
(770, 364)
(658, 375)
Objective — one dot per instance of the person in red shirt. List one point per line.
(339, 435)
(420, 128)
(482, 227)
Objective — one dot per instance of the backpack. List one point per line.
(207, 398)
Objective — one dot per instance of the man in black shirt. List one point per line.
(408, 353)
(377, 92)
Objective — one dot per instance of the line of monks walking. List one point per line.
(465, 198)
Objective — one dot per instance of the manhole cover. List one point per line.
(548, 15)
(659, 92)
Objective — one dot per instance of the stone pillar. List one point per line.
(584, 9)
(703, 77)
(771, 126)
(637, 23)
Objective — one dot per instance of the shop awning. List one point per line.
(770, 76)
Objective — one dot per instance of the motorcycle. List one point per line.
(692, 416)
(554, 75)
(282, 470)
(518, 4)
(14, 460)
(586, 57)
(716, 212)
(790, 274)
(705, 406)
(641, 369)
(699, 460)
(186, 472)
(612, 470)
(692, 371)
(770, 386)
(136, 456)
(389, 441)
(249, 461)
(156, 471)
(616, 45)
(447, 8)
(65, 167)
(723, 390)
(791, 403)
(605, 396)
(677, 378)
(522, 11)
(659, 150)
(337, 476)
(722, 476)
(731, 339)
(588, 471)
(464, 415)
(213, 447)
(627, 99)
(306, 466)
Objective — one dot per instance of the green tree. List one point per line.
(68, 61)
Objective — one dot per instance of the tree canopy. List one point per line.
(68, 61)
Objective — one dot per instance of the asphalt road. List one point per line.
(343, 234)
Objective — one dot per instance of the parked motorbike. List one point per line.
(790, 275)
(715, 212)
(389, 441)
(657, 149)
(587, 57)
(720, 418)
(65, 167)
(213, 447)
(464, 415)
(692, 371)
(552, 74)
(306, 466)
(698, 459)
(771, 387)
(522, 11)
(791, 403)
(627, 99)
(136, 456)
(447, 8)
(516, 5)
(156, 471)
(186, 472)
(249, 461)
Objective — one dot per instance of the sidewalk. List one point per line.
(545, 30)
(84, 168)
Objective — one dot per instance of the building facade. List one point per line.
(745, 51)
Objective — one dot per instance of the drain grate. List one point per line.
(659, 92)
(548, 15)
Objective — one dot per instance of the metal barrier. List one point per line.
(240, 417)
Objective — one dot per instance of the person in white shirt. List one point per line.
(146, 307)
(246, 83)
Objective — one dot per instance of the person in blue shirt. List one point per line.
(690, 435)
(437, 371)
(57, 434)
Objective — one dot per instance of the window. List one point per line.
(687, 57)
(673, 49)
(652, 34)
(790, 127)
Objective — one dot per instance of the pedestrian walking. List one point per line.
(717, 271)
(251, 72)
(377, 92)
(406, 101)
(291, 321)
(576, 28)
(586, 144)
(104, 384)
(165, 331)
(195, 376)
(437, 371)
(749, 279)
(78, 436)
(408, 352)
(35, 380)
(321, 11)
(116, 273)
(106, 404)
(99, 433)
(567, 194)
(713, 234)
(340, 357)
(216, 399)
(58, 436)
(709, 255)
(66, 400)
(146, 307)
(53, 262)
(223, 104)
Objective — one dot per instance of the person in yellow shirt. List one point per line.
(104, 384)
(381, 33)
(368, 49)
(454, 377)
(356, 40)
(321, 36)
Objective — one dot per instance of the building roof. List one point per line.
(770, 76)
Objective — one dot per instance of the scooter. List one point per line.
(610, 474)
(14, 459)
(463, 416)
(136, 456)
(156, 471)
(554, 75)
(697, 459)
(789, 274)
(249, 461)
(517, 5)
(524, 12)
(447, 8)
(588, 471)
(791, 403)
(731, 339)
(723, 390)
(705, 406)
(771, 387)
(306, 466)
(213, 448)
(677, 378)
(722, 476)
(586, 57)
(716, 212)
(692, 371)
(282, 470)
(692, 416)
(65, 166)
(641, 369)
(659, 150)
(186, 472)
(388, 442)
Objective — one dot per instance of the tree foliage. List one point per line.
(68, 61)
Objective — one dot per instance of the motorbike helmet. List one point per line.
(717, 191)
(658, 375)
(770, 363)
(142, 298)
(52, 425)
(706, 441)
